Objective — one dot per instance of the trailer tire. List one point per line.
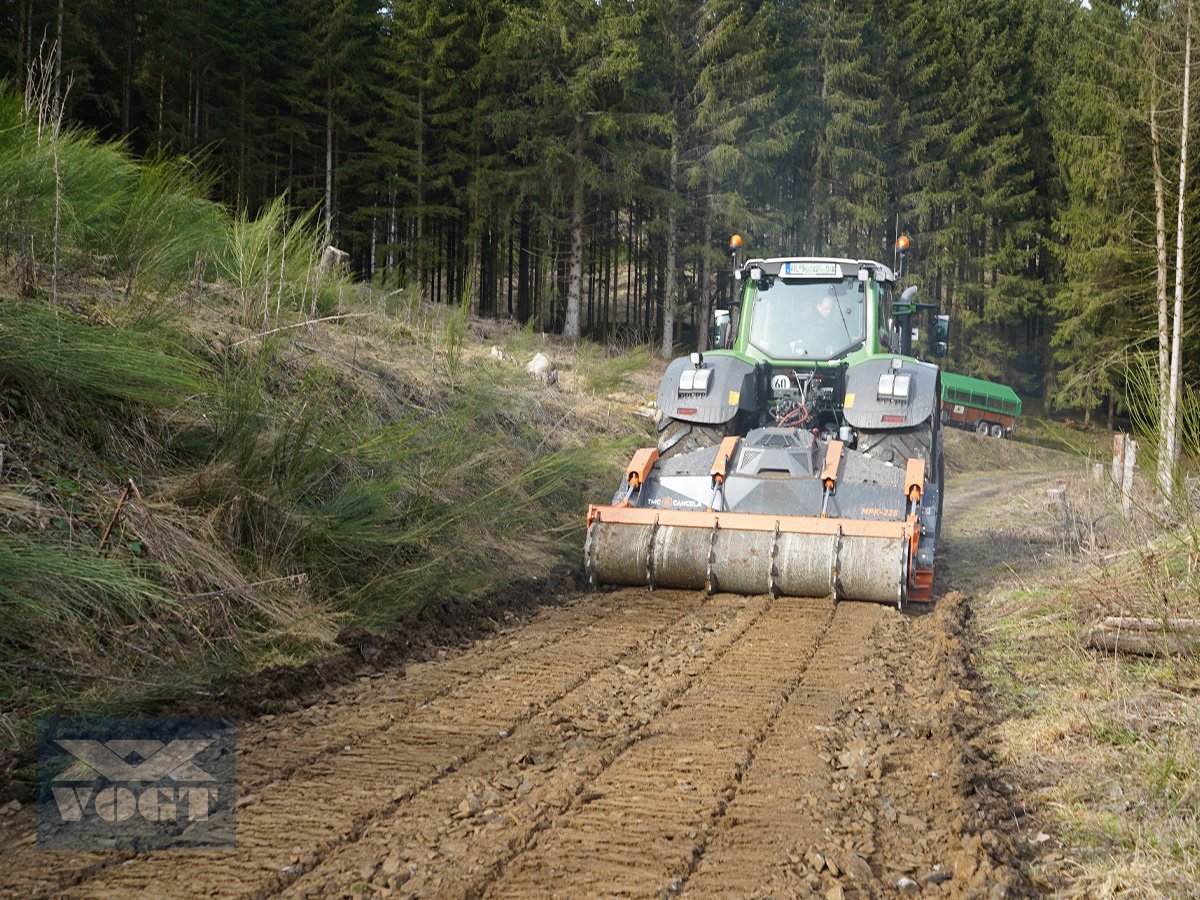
(981, 428)
(683, 437)
(997, 431)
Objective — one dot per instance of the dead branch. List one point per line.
(113, 518)
(263, 334)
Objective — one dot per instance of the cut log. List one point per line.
(1135, 623)
(1145, 637)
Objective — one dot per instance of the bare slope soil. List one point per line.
(628, 742)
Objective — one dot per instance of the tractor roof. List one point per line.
(776, 264)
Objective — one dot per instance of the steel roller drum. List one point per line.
(748, 562)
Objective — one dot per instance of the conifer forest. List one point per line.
(580, 164)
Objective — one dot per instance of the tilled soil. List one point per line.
(624, 743)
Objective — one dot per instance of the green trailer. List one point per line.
(981, 406)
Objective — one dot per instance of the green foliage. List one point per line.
(1144, 402)
(382, 519)
(163, 229)
(605, 375)
(40, 616)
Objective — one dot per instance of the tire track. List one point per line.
(773, 812)
(653, 807)
(279, 746)
(273, 748)
(290, 826)
(490, 811)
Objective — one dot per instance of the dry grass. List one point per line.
(1104, 748)
(333, 473)
(214, 451)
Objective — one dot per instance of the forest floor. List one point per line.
(647, 743)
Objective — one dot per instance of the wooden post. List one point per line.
(1118, 461)
(1127, 474)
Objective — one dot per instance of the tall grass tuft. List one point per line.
(70, 621)
(383, 517)
(95, 208)
(58, 357)
(1177, 541)
(273, 259)
(1145, 413)
(40, 615)
(163, 228)
(604, 374)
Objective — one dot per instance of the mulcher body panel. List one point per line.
(787, 504)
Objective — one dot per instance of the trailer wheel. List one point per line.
(997, 431)
(981, 428)
(684, 437)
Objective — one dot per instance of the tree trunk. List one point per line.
(1172, 424)
(58, 57)
(575, 279)
(1147, 637)
(162, 99)
(670, 301)
(420, 193)
(328, 160)
(524, 249)
(127, 69)
(706, 293)
(1164, 323)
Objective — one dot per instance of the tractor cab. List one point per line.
(807, 310)
(811, 310)
(793, 318)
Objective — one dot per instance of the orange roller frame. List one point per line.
(748, 521)
(720, 466)
(639, 467)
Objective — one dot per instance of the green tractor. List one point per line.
(802, 456)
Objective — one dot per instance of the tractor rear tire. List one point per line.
(899, 446)
(684, 437)
(923, 442)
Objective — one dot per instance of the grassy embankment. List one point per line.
(1104, 747)
(191, 487)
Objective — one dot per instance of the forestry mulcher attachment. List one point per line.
(801, 457)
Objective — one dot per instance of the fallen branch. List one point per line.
(113, 519)
(299, 578)
(263, 334)
(1145, 637)
(131, 489)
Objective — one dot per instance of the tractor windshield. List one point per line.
(806, 319)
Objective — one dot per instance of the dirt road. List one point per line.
(626, 743)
